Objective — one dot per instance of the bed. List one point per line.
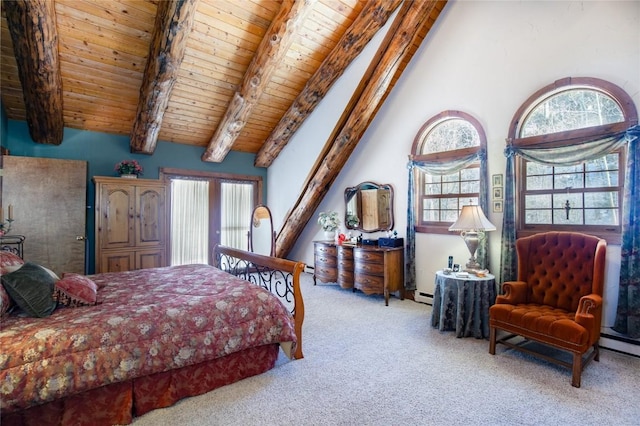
(154, 337)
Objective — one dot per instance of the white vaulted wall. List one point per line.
(481, 57)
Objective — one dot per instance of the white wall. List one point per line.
(482, 57)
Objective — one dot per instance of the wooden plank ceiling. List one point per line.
(103, 52)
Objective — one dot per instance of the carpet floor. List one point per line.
(370, 364)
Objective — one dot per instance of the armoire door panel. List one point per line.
(116, 226)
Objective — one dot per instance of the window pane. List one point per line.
(433, 189)
(449, 204)
(431, 203)
(451, 188)
(538, 201)
(449, 215)
(601, 199)
(539, 182)
(601, 217)
(470, 187)
(599, 179)
(560, 217)
(538, 169)
(449, 135)
(189, 221)
(470, 174)
(236, 207)
(430, 178)
(577, 168)
(538, 216)
(430, 216)
(608, 162)
(560, 200)
(576, 108)
(451, 178)
(567, 181)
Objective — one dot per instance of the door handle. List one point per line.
(80, 238)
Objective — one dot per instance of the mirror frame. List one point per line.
(259, 220)
(352, 191)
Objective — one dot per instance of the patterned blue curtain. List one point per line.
(410, 244)
(508, 258)
(628, 312)
(440, 168)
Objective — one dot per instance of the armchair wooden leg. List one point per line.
(596, 348)
(577, 370)
(492, 340)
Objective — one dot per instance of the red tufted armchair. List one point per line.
(557, 299)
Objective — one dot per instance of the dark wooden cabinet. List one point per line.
(370, 269)
(131, 224)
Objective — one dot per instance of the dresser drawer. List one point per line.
(373, 256)
(345, 279)
(325, 274)
(369, 284)
(327, 261)
(376, 269)
(325, 249)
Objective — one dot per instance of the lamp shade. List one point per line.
(472, 219)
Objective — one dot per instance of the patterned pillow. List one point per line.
(9, 260)
(5, 301)
(75, 290)
(31, 289)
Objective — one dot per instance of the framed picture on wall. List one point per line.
(496, 180)
(497, 206)
(497, 193)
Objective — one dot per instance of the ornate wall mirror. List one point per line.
(369, 207)
(262, 238)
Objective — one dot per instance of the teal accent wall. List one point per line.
(102, 151)
(3, 125)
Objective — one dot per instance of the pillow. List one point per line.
(75, 290)
(31, 289)
(8, 260)
(5, 301)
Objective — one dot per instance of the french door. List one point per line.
(208, 209)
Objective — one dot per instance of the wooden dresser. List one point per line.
(370, 269)
(131, 224)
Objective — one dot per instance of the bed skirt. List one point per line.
(118, 403)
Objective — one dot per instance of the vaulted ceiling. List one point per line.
(222, 74)
(239, 75)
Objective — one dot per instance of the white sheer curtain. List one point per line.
(189, 221)
(237, 205)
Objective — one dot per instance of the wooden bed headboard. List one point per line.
(280, 276)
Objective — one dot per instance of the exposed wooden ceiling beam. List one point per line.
(32, 24)
(365, 103)
(174, 20)
(269, 55)
(372, 17)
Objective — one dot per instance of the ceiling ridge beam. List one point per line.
(34, 34)
(174, 20)
(360, 112)
(372, 17)
(271, 52)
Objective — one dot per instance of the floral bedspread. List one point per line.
(147, 321)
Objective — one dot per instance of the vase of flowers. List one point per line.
(129, 169)
(329, 221)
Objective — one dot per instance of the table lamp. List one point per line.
(472, 223)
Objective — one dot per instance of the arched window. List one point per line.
(447, 153)
(569, 175)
